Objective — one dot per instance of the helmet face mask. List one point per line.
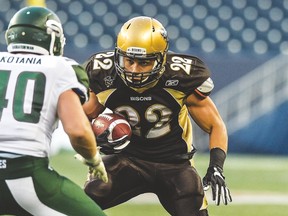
(35, 30)
(139, 79)
(140, 39)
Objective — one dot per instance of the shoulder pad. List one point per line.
(70, 61)
(102, 61)
(187, 73)
(187, 63)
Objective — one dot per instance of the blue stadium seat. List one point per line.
(230, 25)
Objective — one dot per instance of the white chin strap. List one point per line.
(27, 48)
(55, 30)
(52, 43)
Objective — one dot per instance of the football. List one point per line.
(112, 128)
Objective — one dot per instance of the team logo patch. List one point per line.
(171, 82)
(108, 80)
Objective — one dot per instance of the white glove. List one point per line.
(96, 166)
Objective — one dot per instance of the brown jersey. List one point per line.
(162, 129)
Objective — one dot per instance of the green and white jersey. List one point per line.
(30, 86)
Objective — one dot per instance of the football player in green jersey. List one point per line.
(157, 91)
(37, 88)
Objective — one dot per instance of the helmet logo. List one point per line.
(12, 35)
(164, 34)
(53, 26)
(136, 50)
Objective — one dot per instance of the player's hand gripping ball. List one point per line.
(112, 131)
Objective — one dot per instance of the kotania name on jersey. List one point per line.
(20, 60)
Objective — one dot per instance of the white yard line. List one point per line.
(238, 198)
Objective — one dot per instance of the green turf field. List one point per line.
(256, 182)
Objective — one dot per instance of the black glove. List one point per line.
(215, 178)
(114, 147)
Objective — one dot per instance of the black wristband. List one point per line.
(217, 158)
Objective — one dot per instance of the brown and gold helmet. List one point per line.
(142, 38)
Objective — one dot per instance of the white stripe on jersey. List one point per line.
(206, 86)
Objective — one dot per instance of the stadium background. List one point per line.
(244, 43)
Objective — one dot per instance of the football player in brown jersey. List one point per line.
(158, 91)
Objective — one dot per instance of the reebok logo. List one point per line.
(171, 82)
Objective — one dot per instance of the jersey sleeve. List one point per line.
(205, 88)
(192, 73)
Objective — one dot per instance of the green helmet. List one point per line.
(35, 30)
